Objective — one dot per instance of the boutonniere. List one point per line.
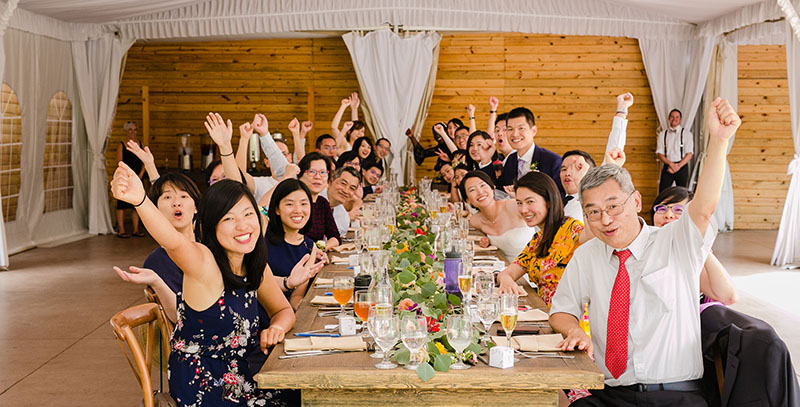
(534, 166)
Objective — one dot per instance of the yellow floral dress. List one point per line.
(545, 272)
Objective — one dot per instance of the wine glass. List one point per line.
(358, 239)
(508, 314)
(343, 291)
(365, 263)
(484, 284)
(374, 311)
(361, 307)
(459, 335)
(413, 333)
(465, 283)
(488, 311)
(386, 331)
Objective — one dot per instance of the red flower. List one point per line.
(229, 378)
(433, 326)
(221, 301)
(420, 231)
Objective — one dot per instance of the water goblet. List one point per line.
(413, 333)
(386, 331)
(459, 335)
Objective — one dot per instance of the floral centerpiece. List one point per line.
(418, 282)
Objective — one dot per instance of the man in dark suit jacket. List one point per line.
(527, 155)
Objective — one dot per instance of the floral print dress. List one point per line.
(545, 272)
(207, 365)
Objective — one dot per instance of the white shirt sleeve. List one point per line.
(277, 162)
(571, 292)
(618, 134)
(688, 242)
(688, 142)
(660, 143)
(262, 186)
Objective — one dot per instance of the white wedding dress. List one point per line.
(513, 241)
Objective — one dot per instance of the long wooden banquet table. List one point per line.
(351, 379)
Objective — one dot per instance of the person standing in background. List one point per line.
(674, 148)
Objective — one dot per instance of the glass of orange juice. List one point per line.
(343, 291)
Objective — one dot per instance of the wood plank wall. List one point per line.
(10, 152)
(763, 146)
(569, 82)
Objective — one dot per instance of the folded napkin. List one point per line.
(530, 343)
(532, 315)
(346, 247)
(323, 281)
(347, 343)
(485, 249)
(339, 259)
(326, 300)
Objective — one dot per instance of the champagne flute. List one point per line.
(484, 284)
(413, 333)
(459, 335)
(342, 291)
(386, 330)
(488, 311)
(508, 314)
(465, 283)
(374, 311)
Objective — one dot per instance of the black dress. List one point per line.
(131, 160)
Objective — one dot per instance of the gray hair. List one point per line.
(350, 170)
(127, 125)
(599, 175)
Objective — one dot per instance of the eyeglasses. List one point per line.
(677, 209)
(612, 210)
(321, 173)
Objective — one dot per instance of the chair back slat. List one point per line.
(124, 322)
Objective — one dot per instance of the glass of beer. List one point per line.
(343, 291)
(508, 314)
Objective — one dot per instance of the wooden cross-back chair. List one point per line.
(124, 323)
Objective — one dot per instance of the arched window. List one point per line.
(10, 151)
(58, 185)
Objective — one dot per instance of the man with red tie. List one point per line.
(642, 284)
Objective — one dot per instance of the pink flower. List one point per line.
(178, 345)
(406, 305)
(547, 264)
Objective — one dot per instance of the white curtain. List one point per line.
(787, 245)
(97, 68)
(393, 73)
(8, 9)
(677, 72)
(722, 82)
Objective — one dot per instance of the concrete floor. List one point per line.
(57, 347)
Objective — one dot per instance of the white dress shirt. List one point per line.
(573, 208)
(664, 319)
(618, 135)
(342, 219)
(526, 158)
(674, 143)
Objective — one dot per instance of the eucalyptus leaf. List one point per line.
(404, 263)
(428, 289)
(425, 372)
(441, 363)
(454, 299)
(403, 355)
(406, 277)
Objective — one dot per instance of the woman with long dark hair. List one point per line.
(551, 248)
(365, 148)
(290, 211)
(481, 153)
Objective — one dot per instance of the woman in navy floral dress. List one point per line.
(224, 274)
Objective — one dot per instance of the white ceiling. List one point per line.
(104, 11)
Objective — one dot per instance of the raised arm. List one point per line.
(300, 141)
(440, 130)
(337, 118)
(277, 161)
(716, 283)
(146, 157)
(354, 104)
(245, 131)
(145, 276)
(617, 136)
(722, 124)
(493, 103)
(188, 255)
(471, 118)
(221, 132)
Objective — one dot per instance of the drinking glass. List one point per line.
(459, 335)
(508, 314)
(376, 310)
(484, 284)
(386, 331)
(342, 291)
(465, 283)
(488, 311)
(358, 239)
(413, 333)
(365, 263)
(361, 306)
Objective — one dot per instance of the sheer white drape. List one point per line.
(677, 72)
(787, 245)
(722, 82)
(97, 68)
(5, 16)
(393, 73)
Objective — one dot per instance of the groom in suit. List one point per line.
(527, 156)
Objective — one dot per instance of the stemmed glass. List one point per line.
(508, 314)
(358, 240)
(342, 291)
(361, 307)
(484, 285)
(386, 330)
(488, 311)
(413, 333)
(459, 335)
(376, 310)
(465, 283)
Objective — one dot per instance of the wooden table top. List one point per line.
(356, 370)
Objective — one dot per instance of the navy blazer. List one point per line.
(549, 163)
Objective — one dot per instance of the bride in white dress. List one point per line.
(499, 220)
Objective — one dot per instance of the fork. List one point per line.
(536, 355)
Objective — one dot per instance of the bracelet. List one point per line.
(472, 117)
(622, 112)
(285, 285)
(225, 155)
(140, 203)
(493, 111)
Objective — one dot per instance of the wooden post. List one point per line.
(146, 115)
(311, 113)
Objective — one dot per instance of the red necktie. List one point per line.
(617, 334)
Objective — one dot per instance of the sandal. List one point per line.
(123, 235)
(139, 234)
